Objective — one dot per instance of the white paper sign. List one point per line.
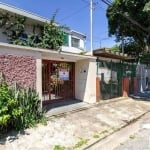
(64, 74)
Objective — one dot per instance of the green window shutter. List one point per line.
(66, 39)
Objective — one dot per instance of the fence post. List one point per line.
(97, 89)
(125, 87)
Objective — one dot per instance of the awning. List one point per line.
(106, 53)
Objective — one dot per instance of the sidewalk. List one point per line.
(78, 129)
(138, 140)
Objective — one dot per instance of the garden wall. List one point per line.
(19, 69)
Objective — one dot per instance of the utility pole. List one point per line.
(91, 27)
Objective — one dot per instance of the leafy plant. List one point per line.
(95, 136)
(51, 35)
(29, 102)
(9, 109)
(19, 108)
(59, 147)
(15, 28)
(81, 142)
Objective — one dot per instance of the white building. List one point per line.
(74, 41)
(56, 75)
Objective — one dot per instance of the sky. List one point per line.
(75, 14)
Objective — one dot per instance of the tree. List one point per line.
(131, 47)
(130, 19)
(115, 48)
(147, 7)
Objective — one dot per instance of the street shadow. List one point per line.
(142, 96)
(11, 136)
(60, 103)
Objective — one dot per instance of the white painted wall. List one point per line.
(71, 49)
(108, 74)
(82, 44)
(142, 72)
(3, 37)
(85, 80)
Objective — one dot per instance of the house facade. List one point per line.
(56, 75)
(74, 41)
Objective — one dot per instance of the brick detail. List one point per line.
(19, 69)
(97, 89)
(125, 87)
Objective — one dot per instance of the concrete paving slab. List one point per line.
(78, 129)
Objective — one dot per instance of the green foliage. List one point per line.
(29, 102)
(131, 47)
(51, 36)
(115, 48)
(119, 25)
(96, 135)
(81, 142)
(8, 107)
(19, 108)
(147, 7)
(132, 136)
(58, 147)
(14, 27)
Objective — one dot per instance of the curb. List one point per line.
(102, 102)
(127, 123)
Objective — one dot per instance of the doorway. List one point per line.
(58, 80)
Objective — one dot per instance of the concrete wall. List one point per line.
(142, 72)
(71, 49)
(85, 80)
(22, 62)
(3, 37)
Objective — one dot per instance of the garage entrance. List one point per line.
(58, 80)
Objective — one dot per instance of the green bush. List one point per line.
(19, 108)
(30, 104)
(8, 107)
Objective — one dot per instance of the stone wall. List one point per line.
(19, 69)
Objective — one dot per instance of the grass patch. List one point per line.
(59, 147)
(96, 136)
(132, 136)
(81, 142)
(104, 131)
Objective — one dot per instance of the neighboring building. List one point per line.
(56, 75)
(74, 41)
(112, 69)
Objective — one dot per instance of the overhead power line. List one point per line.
(74, 13)
(107, 2)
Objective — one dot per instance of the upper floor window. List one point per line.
(66, 39)
(75, 42)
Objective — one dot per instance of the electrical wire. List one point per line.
(74, 13)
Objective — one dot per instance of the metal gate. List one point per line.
(111, 75)
(57, 80)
